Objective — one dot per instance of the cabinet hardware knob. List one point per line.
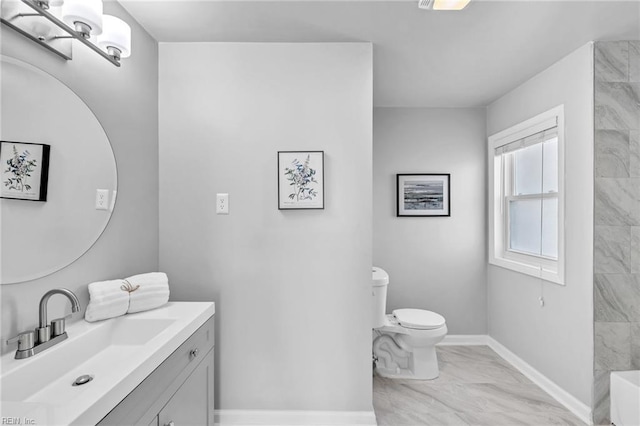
(194, 352)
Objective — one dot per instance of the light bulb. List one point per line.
(450, 4)
(42, 30)
(83, 15)
(116, 34)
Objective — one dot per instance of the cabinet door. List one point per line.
(192, 404)
(143, 404)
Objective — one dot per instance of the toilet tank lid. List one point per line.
(380, 277)
(419, 319)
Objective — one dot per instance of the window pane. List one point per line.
(550, 167)
(550, 227)
(528, 170)
(524, 226)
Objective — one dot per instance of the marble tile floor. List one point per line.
(476, 387)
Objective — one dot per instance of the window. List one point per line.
(526, 214)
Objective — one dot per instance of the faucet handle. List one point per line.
(58, 325)
(25, 340)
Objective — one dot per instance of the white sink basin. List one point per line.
(119, 353)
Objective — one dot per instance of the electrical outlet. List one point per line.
(222, 203)
(102, 199)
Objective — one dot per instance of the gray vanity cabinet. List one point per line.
(177, 393)
(188, 406)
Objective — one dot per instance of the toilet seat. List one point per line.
(419, 319)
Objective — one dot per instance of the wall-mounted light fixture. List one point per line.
(443, 4)
(53, 24)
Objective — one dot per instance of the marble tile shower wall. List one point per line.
(617, 216)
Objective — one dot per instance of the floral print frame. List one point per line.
(24, 168)
(300, 180)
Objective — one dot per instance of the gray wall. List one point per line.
(556, 339)
(434, 263)
(617, 217)
(292, 288)
(125, 102)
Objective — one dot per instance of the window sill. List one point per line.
(528, 269)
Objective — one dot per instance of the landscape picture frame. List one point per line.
(423, 194)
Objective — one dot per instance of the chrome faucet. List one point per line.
(45, 336)
(44, 333)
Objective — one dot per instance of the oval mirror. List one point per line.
(41, 237)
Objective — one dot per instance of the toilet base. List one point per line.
(422, 365)
(407, 353)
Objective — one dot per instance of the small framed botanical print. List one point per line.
(423, 194)
(25, 170)
(300, 180)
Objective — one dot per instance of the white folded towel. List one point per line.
(147, 291)
(106, 300)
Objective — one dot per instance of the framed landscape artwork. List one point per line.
(25, 170)
(423, 194)
(300, 180)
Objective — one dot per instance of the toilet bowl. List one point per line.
(404, 341)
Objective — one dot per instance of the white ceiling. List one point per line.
(421, 58)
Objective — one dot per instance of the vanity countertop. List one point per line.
(119, 353)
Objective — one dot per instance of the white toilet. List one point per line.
(404, 343)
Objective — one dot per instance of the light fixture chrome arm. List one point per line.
(59, 35)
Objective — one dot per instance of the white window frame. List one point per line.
(537, 266)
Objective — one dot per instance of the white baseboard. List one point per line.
(464, 340)
(297, 418)
(368, 418)
(577, 407)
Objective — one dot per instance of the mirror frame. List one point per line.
(94, 239)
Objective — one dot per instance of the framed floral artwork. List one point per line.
(300, 180)
(423, 194)
(25, 170)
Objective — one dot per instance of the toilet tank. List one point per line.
(379, 283)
